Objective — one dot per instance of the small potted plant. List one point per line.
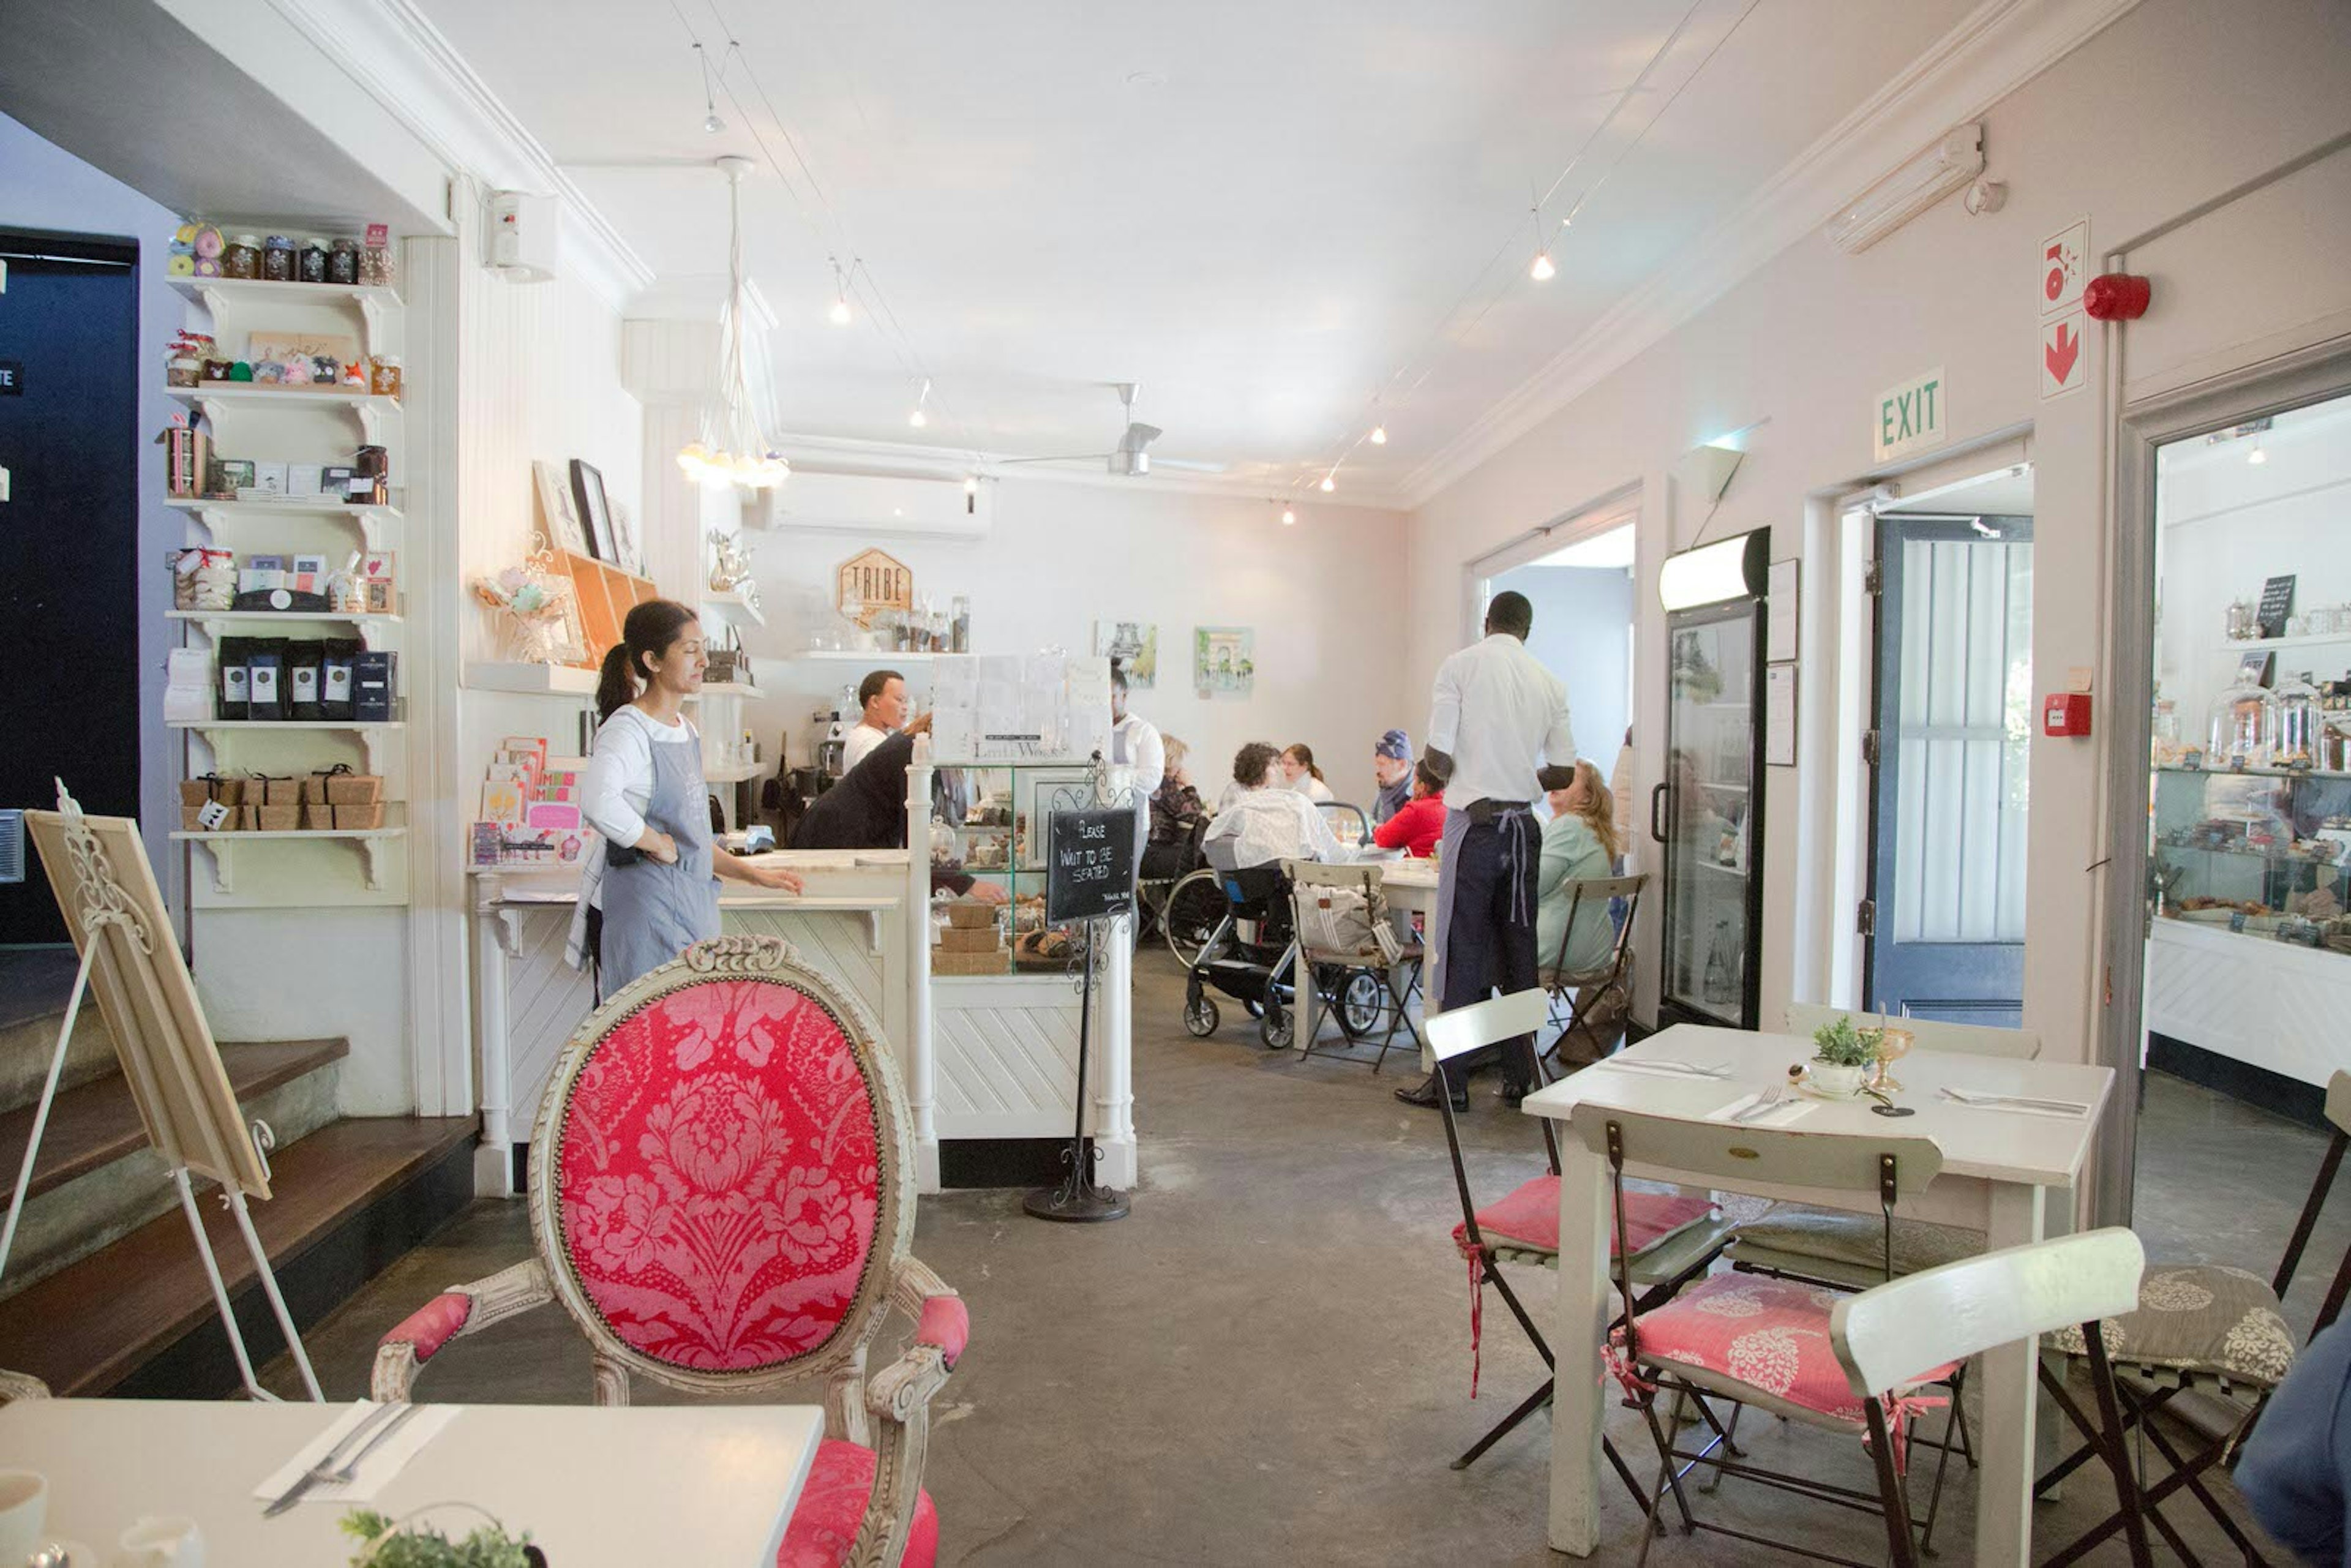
(405, 1543)
(1842, 1055)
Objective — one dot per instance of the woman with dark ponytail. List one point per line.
(655, 890)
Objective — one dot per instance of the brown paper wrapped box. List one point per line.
(350, 817)
(276, 791)
(951, 962)
(197, 791)
(971, 939)
(970, 915)
(354, 789)
(316, 815)
(276, 819)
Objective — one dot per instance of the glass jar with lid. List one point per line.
(2166, 746)
(2242, 727)
(310, 265)
(278, 259)
(242, 257)
(2300, 736)
(343, 262)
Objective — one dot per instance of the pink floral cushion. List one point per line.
(1771, 1334)
(718, 1177)
(1528, 1220)
(832, 1505)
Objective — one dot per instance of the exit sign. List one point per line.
(1910, 417)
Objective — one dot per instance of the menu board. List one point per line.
(2277, 602)
(1089, 864)
(1019, 708)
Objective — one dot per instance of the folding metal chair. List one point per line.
(1883, 1336)
(1575, 995)
(2216, 1330)
(1350, 972)
(1673, 1238)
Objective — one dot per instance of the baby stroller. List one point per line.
(1251, 954)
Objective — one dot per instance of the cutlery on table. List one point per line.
(1670, 1068)
(2071, 1107)
(337, 1467)
(1768, 1102)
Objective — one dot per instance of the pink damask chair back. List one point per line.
(721, 1198)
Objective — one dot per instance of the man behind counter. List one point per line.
(882, 697)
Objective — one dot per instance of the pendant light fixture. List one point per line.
(920, 417)
(1541, 271)
(732, 449)
(839, 314)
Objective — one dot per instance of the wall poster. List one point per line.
(1224, 663)
(1133, 646)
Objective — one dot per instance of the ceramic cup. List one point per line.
(23, 1509)
(168, 1541)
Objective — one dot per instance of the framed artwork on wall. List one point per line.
(595, 514)
(1224, 663)
(557, 520)
(1133, 646)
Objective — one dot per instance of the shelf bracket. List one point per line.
(371, 318)
(216, 304)
(224, 863)
(370, 423)
(371, 850)
(507, 928)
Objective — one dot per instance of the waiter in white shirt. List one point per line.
(882, 697)
(1497, 736)
(1134, 743)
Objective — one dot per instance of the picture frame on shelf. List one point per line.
(632, 557)
(595, 512)
(561, 523)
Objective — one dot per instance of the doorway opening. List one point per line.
(1582, 599)
(1942, 924)
(2247, 788)
(69, 542)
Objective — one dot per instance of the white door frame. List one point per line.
(1620, 508)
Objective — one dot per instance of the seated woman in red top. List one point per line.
(1420, 822)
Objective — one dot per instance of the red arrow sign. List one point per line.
(2061, 354)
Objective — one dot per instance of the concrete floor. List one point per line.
(1269, 1362)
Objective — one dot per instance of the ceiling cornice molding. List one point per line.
(402, 61)
(908, 459)
(1998, 49)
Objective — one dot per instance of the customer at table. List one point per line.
(867, 811)
(1579, 844)
(1416, 828)
(1175, 813)
(882, 699)
(1299, 772)
(1497, 732)
(1268, 820)
(1392, 771)
(653, 892)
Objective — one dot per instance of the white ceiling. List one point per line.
(1262, 234)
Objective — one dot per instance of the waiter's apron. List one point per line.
(653, 912)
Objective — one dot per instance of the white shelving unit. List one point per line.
(530, 680)
(871, 658)
(306, 867)
(734, 608)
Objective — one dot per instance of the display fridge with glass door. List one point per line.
(1708, 811)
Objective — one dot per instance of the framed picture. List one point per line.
(624, 539)
(1133, 646)
(1224, 663)
(557, 520)
(595, 515)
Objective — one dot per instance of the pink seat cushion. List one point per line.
(717, 1171)
(832, 1505)
(1771, 1334)
(1528, 1220)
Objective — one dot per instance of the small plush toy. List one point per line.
(270, 372)
(240, 371)
(355, 375)
(294, 373)
(216, 371)
(323, 368)
(183, 253)
(208, 248)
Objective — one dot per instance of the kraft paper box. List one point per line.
(277, 818)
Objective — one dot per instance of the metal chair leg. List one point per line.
(1502, 1429)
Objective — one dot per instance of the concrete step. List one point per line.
(136, 1319)
(34, 985)
(97, 1178)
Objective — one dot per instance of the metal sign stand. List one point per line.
(1078, 1200)
(1085, 869)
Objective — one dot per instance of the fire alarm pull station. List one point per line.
(2066, 713)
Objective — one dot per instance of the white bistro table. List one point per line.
(595, 1487)
(1998, 1167)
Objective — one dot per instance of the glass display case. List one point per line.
(990, 824)
(2261, 851)
(1713, 780)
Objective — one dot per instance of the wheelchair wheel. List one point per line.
(1199, 1014)
(1362, 1005)
(1279, 1028)
(1195, 904)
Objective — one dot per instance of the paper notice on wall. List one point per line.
(951, 734)
(1087, 725)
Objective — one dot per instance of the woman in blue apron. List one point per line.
(654, 892)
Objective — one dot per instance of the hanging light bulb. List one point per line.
(971, 485)
(1379, 435)
(919, 418)
(711, 123)
(1289, 517)
(1542, 271)
(731, 449)
(839, 314)
(1330, 482)
(2257, 456)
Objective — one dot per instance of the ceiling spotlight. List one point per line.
(712, 124)
(971, 485)
(1542, 271)
(839, 314)
(1329, 482)
(918, 418)
(1289, 517)
(1379, 435)
(2257, 455)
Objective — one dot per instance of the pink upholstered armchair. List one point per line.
(722, 1197)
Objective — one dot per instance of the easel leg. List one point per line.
(41, 1113)
(276, 1301)
(220, 1291)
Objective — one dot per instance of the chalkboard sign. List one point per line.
(2277, 602)
(1089, 864)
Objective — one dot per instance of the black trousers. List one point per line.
(1490, 933)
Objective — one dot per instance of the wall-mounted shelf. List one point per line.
(218, 623)
(871, 658)
(734, 607)
(226, 849)
(2308, 640)
(218, 732)
(213, 397)
(530, 680)
(220, 296)
(375, 523)
(725, 689)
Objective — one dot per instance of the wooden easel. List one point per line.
(168, 1057)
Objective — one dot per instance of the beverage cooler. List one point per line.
(1707, 812)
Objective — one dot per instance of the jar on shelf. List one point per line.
(243, 258)
(2245, 623)
(310, 265)
(2242, 731)
(375, 262)
(2166, 747)
(343, 262)
(384, 376)
(2301, 735)
(278, 259)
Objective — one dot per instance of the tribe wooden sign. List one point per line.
(872, 582)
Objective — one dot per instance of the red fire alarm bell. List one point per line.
(2115, 297)
(2066, 713)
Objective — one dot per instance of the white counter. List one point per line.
(2267, 1003)
(983, 1056)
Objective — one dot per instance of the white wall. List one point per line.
(1325, 596)
(2172, 108)
(49, 188)
(1582, 617)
